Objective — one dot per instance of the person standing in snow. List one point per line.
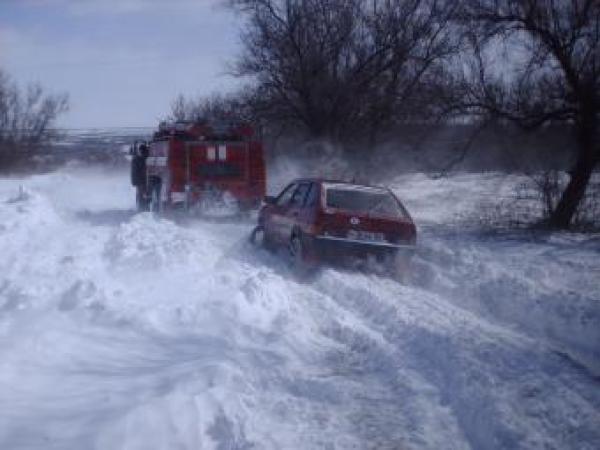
(138, 176)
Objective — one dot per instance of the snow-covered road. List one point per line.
(122, 331)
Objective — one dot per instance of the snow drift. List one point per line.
(122, 330)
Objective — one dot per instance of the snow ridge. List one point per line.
(123, 330)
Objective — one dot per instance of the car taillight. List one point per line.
(406, 234)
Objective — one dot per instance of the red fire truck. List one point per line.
(194, 165)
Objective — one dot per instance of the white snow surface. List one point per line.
(126, 331)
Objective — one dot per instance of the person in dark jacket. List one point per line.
(138, 176)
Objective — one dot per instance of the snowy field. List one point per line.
(123, 331)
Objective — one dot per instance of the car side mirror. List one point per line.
(269, 199)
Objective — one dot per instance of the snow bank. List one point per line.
(545, 285)
(123, 330)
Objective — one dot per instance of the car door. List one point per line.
(296, 212)
(309, 212)
(276, 218)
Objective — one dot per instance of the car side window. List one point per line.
(286, 195)
(313, 196)
(300, 195)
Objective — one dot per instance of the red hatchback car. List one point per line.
(319, 220)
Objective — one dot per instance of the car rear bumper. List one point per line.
(335, 248)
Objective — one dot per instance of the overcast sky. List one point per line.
(122, 62)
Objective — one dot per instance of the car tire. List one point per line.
(297, 254)
(400, 269)
(257, 237)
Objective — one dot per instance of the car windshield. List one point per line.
(365, 200)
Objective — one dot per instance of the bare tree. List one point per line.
(554, 76)
(26, 118)
(181, 109)
(234, 106)
(344, 68)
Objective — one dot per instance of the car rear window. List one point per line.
(365, 200)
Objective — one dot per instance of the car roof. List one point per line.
(336, 181)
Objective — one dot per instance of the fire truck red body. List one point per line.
(189, 163)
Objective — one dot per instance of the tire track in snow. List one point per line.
(123, 331)
(487, 375)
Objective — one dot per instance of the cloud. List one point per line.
(118, 7)
(122, 62)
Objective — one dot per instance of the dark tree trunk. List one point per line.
(580, 176)
(571, 197)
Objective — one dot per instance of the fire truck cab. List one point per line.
(192, 164)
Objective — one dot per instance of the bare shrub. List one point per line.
(533, 203)
(26, 119)
(233, 106)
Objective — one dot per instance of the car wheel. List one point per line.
(400, 268)
(257, 237)
(298, 257)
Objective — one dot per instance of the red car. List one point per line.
(320, 220)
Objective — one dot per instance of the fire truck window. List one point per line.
(300, 195)
(222, 152)
(211, 154)
(220, 169)
(286, 195)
